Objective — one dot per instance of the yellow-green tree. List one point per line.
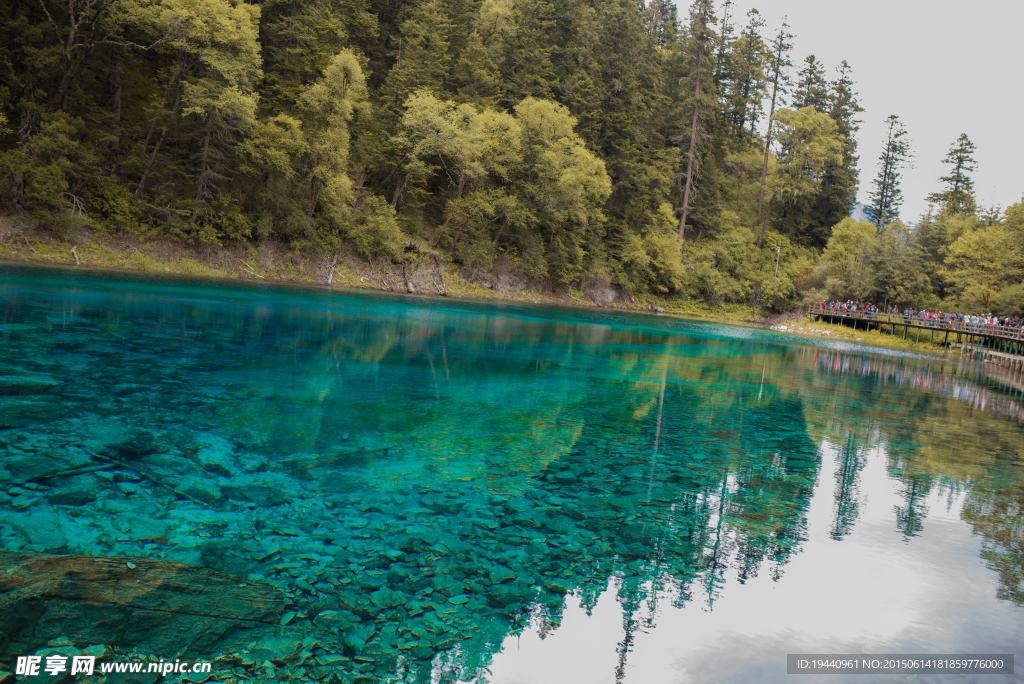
(808, 140)
(980, 263)
(565, 183)
(477, 144)
(329, 105)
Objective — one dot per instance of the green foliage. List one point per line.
(980, 263)
(375, 232)
(567, 141)
(958, 197)
(115, 205)
(1014, 222)
(328, 105)
(886, 197)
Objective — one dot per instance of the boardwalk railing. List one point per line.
(1005, 332)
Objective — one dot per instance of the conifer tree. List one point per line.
(839, 185)
(423, 59)
(526, 66)
(725, 41)
(812, 88)
(780, 62)
(810, 219)
(885, 199)
(702, 41)
(958, 197)
(746, 82)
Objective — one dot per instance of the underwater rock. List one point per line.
(72, 498)
(230, 556)
(19, 413)
(29, 467)
(565, 477)
(200, 493)
(257, 494)
(154, 605)
(500, 575)
(24, 384)
(129, 444)
(422, 652)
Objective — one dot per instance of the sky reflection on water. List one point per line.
(876, 591)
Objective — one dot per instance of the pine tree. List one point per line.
(746, 83)
(526, 67)
(812, 88)
(811, 218)
(423, 60)
(725, 41)
(702, 41)
(958, 196)
(886, 198)
(780, 61)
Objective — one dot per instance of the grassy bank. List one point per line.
(889, 337)
(428, 272)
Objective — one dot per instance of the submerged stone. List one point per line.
(24, 384)
(71, 498)
(171, 607)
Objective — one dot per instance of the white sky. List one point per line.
(943, 67)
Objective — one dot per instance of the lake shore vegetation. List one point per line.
(643, 155)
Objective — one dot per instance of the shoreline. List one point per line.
(269, 264)
(272, 263)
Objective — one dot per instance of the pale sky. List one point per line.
(943, 67)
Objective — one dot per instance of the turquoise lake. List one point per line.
(446, 491)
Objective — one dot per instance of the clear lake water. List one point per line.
(449, 491)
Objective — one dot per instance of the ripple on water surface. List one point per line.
(410, 489)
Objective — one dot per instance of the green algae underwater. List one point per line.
(422, 490)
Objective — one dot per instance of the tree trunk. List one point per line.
(557, 235)
(768, 136)
(399, 189)
(504, 225)
(202, 180)
(760, 240)
(465, 216)
(27, 111)
(462, 223)
(118, 74)
(160, 140)
(455, 204)
(693, 148)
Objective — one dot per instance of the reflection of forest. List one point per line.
(578, 451)
(955, 426)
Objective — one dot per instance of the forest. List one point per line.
(603, 145)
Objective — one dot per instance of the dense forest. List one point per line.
(626, 145)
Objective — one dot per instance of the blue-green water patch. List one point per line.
(422, 480)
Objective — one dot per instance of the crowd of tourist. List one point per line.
(936, 319)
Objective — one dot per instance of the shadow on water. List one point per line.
(399, 487)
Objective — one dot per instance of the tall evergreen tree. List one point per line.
(746, 83)
(422, 61)
(526, 66)
(810, 219)
(958, 196)
(701, 42)
(885, 199)
(780, 62)
(725, 41)
(812, 88)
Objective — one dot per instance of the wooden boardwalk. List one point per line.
(992, 342)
